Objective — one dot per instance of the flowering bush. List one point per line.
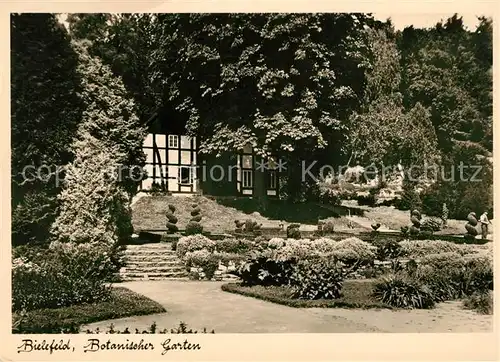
(232, 245)
(193, 243)
(203, 259)
(64, 274)
(352, 250)
(293, 248)
(276, 243)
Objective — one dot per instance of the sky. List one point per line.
(401, 21)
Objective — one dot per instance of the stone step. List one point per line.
(150, 258)
(146, 276)
(139, 263)
(178, 268)
(151, 252)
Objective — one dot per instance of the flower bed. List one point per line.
(122, 302)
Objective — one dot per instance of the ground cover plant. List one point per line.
(182, 328)
(121, 303)
(355, 294)
(61, 275)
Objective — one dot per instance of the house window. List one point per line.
(247, 178)
(173, 141)
(271, 184)
(185, 176)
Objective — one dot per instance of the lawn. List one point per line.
(148, 213)
(394, 219)
(355, 294)
(122, 303)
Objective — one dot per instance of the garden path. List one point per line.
(203, 304)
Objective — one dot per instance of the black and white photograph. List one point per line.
(214, 173)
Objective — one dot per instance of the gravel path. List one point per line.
(204, 304)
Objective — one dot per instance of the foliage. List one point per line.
(329, 191)
(65, 274)
(353, 250)
(171, 219)
(292, 231)
(431, 224)
(387, 249)
(209, 262)
(410, 199)
(444, 72)
(383, 132)
(418, 248)
(153, 329)
(45, 112)
(108, 146)
(328, 227)
(366, 200)
(404, 292)
(317, 279)
(193, 243)
(482, 302)
(194, 228)
(232, 245)
(121, 303)
(94, 208)
(450, 276)
(355, 294)
(463, 190)
(261, 269)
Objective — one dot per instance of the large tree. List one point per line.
(448, 70)
(108, 144)
(382, 131)
(45, 111)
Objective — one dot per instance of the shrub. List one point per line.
(353, 250)
(418, 248)
(387, 249)
(320, 278)
(402, 291)
(481, 302)
(63, 275)
(296, 249)
(367, 200)
(410, 199)
(171, 219)
(293, 232)
(328, 227)
(431, 225)
(193, 243)
(450, 276)
(276, 243)
(209, 262)
(261, 269)
(232, 245)
(252, 226)
(193, 228)
(226, 258)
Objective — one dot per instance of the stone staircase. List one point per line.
(152, 262)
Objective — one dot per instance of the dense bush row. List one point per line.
(316, 269)
(61, 275)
